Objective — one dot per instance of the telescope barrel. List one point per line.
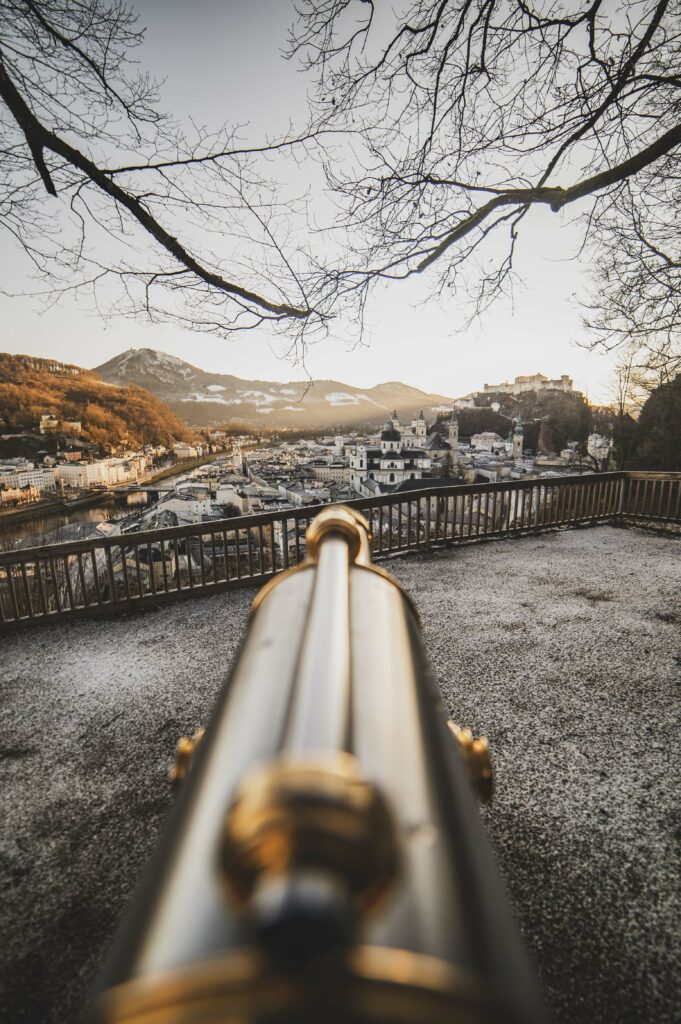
(325, 856)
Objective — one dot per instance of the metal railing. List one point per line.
(124, 572)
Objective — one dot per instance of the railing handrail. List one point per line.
(304, 512)
(124, 571)
(650, 474)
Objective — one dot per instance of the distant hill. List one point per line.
(30, 386)
(531, 405)
(204, 399)
(564, 416)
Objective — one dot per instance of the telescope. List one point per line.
(325, 859)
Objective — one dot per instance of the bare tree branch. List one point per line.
(557, 198)
(469, 113)
(66, 77)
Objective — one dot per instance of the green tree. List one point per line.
(230, 510)
(545, 443)
(447, 466)
(657, 442)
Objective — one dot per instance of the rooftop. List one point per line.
(563, 649)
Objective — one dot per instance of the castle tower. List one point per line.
(518, 438)
(453, 432)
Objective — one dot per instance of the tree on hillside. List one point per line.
(545, 443)
(101, 189)
(467, 114)
(637, 294)
(230, 510)
(657, 443)
(447, 466)
(475, 421)
(623, 426)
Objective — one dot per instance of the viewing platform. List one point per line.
(562, 647)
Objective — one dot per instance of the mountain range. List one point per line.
(204, 399)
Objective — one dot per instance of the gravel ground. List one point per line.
(563, 649)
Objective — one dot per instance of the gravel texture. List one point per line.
(563, 649)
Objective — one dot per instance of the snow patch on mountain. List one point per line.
(262, 397)
(216, 387)
(342, 398)
(151, 361)
(141, 362)
(198, 397)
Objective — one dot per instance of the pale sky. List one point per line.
(221, 61)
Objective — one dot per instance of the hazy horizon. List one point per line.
(293, 380)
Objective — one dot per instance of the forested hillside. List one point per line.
(30, 387)
(551, 418)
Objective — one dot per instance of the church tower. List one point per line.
(453, 433)
(518, 438)
(394, 420)
(418, 426)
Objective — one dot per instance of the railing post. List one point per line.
(622, 484)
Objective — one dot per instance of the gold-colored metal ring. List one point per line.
(390, 986)
(337, 519)
(378, 570)
(319, 813)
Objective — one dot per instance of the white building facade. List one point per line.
(393, 459)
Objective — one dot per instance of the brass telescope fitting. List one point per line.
(317, 859)
(340, 519)
(184, 754)
(308, 843)
(476, 757)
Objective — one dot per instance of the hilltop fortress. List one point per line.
(533, 382)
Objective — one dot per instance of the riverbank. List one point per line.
(57, 505)
(54, 506)
(182, 467)
(33, 523)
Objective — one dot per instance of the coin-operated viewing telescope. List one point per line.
(325, 860)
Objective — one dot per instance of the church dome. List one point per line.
(390, 433)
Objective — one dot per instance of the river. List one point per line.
(50, 527)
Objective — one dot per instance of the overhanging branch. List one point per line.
(556, 198)
(39, 139)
